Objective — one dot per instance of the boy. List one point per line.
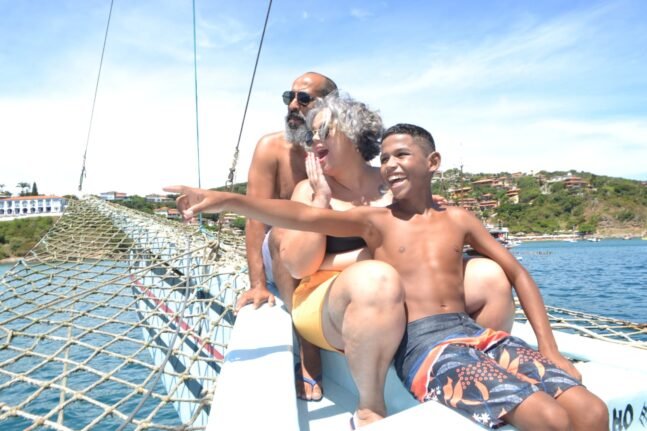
(444, 355)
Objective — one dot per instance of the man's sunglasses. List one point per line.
(303, 98)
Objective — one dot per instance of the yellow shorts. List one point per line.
(307, 305)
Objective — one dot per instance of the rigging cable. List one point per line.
(94, 100)
(195, 90)
(232, 170)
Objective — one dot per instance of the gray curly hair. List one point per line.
(354, 119)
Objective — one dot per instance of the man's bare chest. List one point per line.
(290, 172)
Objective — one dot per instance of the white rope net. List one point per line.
(103, 293)
(594, 326)
(120, 320)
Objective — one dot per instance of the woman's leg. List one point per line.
(282, 278)
(309, 354)
(364, 315)
(488, 294)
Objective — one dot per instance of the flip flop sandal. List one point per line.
(352, 422)
(312, 382)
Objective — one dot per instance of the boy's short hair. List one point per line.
(418, 133)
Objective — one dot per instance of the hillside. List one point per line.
(17, 237)
(552, 202)
(547, 202)
(543, 203)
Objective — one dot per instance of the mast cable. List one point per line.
(195, 87)
(232, 170)
(94, 100)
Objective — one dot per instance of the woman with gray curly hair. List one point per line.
(346, 301)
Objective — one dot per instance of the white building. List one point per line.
(113, 196)
(26, 206)
(156, 198)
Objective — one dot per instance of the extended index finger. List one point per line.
(174, 189)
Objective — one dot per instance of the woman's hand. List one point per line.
(321, 189)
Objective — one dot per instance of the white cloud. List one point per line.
(360, 13)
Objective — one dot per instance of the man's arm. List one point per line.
(261, 183)
(527, 291)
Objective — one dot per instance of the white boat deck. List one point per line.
(256, 385)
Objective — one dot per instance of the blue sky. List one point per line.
(502, 85)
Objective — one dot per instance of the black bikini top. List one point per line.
(335, 244)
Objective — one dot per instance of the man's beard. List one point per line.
(295, 135)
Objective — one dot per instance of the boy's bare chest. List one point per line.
(416, 247)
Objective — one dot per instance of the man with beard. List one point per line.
(278, 164)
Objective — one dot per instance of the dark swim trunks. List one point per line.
(482, 373)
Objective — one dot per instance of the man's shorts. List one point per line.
(267, 265)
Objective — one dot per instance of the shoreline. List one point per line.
(561, 237)
(9, 260)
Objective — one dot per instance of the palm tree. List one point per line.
(24, 188)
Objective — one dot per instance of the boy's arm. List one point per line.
(527, 291)
(276, 212)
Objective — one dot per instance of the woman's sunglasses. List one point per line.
(322, 132)
(303, 98)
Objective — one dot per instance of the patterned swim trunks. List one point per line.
(482, 373)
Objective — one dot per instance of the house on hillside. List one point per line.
(156, 198)
(169, 213)
(572, 182)
(513, 195)
(484, 182)
(113, 196)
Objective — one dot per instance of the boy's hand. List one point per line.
(193, 200)
(565, 365)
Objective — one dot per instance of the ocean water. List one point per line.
(607, 278)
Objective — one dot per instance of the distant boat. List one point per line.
(501, 234)
(593, 239)
(570, 240)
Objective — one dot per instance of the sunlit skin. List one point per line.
(276, 167)
(424, 243)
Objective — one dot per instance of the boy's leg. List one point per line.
(539, 411)
(585, 410)
(470, 381)
(488, 294)
(364, 315)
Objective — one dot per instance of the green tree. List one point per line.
(24, 188)
(34, 189)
